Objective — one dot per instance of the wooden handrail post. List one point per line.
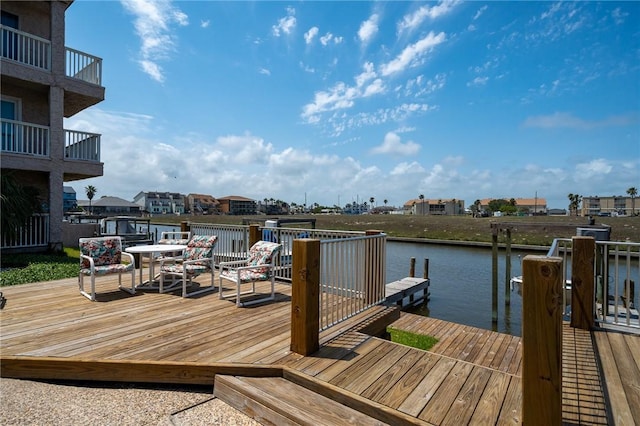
(542, 340)
(254, 234)
(412, 267)
(582, 282)
(305, 296)
(184, 226)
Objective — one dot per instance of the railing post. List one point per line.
(412, 267)
(373, 268)
(582, 282)
(254, 234)
(305, 296)
(542, 340)
(184, 226)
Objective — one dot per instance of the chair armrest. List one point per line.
(208, 259)
(130, 256)
(90, 259)
(232, 263)
(175, 259)
(248, 268)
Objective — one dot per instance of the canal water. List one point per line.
(460, 283)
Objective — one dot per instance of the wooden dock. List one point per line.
(49, 331)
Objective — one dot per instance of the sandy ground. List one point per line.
(26, 402)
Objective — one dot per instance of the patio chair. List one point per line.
(103, 256)
(196, 259)
(173, 237)
(259, 266)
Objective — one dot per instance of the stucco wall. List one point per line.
(72, 231)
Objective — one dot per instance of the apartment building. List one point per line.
(43, 82)
(608, 206)
(236, 205)
(154, 202)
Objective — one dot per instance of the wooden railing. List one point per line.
(602, 290)
(25, 138)
(34, 234)
(25, 48)
(82, 145)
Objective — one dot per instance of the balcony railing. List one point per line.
(83, 66)
(25, 138)
(34, 51)
(82, 146)
(35, 233)
(25, 48)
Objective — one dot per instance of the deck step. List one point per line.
(278, 401)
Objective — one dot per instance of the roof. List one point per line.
(107, 201)
(234, 198)
(519, 201)
(428, 201)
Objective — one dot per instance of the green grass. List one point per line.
(31, 268)
(407, 338)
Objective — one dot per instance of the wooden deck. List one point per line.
(49, 331)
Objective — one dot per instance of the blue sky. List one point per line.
(343, 101)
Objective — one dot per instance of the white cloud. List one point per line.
(618, 16)
(205, 23)
(412, 54)
(478, 81)
(413, 20)
(264, 71)
(568, 120)
(310, 35)
(286, 24)
(368, 29)
(480, 12)
(594, 168)
(405, 168)
(392, 144)
(153, 23)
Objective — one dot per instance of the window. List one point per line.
(10, 110)
(9, 38)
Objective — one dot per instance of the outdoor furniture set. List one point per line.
(178, 259)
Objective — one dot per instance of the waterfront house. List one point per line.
(69, 201)
(43, 82)
(155, 202)
(607, 206)
(111, 206)
(202, 204)
(237, 205)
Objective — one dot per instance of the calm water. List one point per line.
(460, 282)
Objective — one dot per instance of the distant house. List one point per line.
(69, 201)
(524, 205)
(111, 206)
(426, 206)
(154, 202)
(236, 205)
(202, 204)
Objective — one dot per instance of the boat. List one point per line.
(516, 283)
(132, 229)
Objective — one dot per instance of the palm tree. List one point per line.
(372, 200)
(421, 197)
(574, 202)
(91, 191)
(633, 191)
(385, 201)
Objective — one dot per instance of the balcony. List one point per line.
(33, 140)
(35, 52)
(25, 139)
